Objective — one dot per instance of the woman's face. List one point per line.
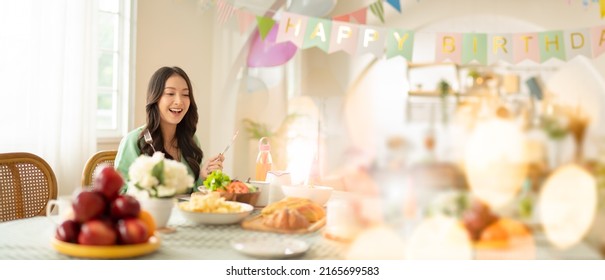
(174, 103)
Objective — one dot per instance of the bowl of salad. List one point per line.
(230, 189)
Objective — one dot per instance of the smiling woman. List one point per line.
(171, 125)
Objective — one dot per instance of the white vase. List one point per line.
(159, 208)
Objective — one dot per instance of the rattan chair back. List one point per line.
(27, 183)
(96, 162)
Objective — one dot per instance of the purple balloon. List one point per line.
(267, 53)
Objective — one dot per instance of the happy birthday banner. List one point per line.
(462, 48)
(483, 48)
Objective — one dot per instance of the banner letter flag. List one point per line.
(360, 15)
(474, 47)
(597, 40)
(344, 37)
(371, 40)
(577, 42)
(396, 4)
(317, 34)
(292, 28)
(499, 48)
(378, 10)
(448, 46)
(400, 42)
(525, 46)
(551, 45)
(264, 26)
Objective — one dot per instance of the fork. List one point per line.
(229, 146)
(148, 139)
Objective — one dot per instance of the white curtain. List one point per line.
(47, 78)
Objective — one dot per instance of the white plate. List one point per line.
(217, 218)
(270, 248)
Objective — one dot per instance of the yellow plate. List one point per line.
(106, 252)
(488, 245)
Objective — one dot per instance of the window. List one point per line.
(113, 58)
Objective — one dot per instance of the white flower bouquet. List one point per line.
(158, 177)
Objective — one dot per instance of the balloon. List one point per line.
(315, 8)
(267, 53)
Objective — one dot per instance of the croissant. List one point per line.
(288, 219)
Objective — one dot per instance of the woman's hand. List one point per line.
(214, 163)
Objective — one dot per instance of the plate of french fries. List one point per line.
(213, 209)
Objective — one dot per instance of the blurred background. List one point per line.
(476, 141)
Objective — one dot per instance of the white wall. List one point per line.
(175, 33)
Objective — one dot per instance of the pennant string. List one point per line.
(226, 13)
(396, 4)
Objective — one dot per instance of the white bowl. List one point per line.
(318, 194)
(217, 218)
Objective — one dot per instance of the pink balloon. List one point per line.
(267, 53)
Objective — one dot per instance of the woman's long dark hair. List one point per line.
(185, 130)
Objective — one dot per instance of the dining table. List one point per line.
(30, 239)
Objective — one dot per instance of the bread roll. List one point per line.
(309, 209)
(287, 219)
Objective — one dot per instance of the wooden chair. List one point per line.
(27, 183)
(100, 159)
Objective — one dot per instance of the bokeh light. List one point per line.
(439, 237)
(495, 161)
(377, 243)
(567, 205)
